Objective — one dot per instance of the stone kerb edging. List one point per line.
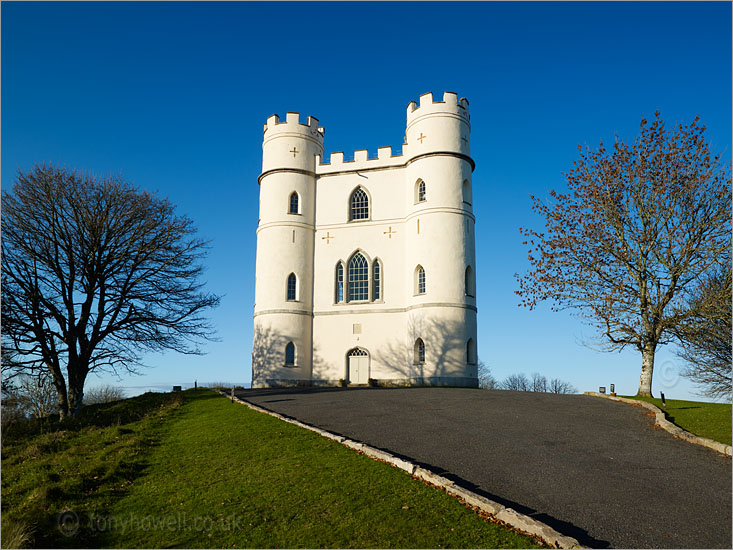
(665, 424)
(514, 519)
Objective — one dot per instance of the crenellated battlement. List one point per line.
(292, 124)
(361, 160)
(450, 104)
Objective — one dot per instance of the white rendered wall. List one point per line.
(437, 152)
(285, 246)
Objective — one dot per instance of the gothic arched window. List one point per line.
(292, 287)
(290, 355)
(469, 281)
(419, 280)
(420, 195)
(358, 279)
(470, 352)
(294, 203)
(339, 283)
(419, 351)
(359, 205)
(376, 280)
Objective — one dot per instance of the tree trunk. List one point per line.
(76, 396)
(63, 401)
(647, 369)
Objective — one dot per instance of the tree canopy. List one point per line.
(629, 241)
(705, 340)
(95, 272)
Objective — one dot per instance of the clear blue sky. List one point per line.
(173, 97)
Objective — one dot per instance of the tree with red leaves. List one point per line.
(631, 240)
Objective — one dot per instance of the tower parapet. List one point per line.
(291, 144)
(450, 104)
(438, 126)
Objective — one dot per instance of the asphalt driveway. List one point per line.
(593, 469)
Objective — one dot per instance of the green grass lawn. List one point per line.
(711, 420)
(198, 471)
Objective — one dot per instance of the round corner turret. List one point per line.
(438, 126)
(292, 144)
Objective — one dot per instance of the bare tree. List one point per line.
(95, 272)
(485, 380)
(103, 394)
(560, 387)
(538, 383)
(630, 239)
(515, 382)
(705, 340)
(36, 395)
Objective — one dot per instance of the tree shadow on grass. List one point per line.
(87, 476)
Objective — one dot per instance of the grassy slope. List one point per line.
(711, 420)
(83, 465)
(215, 474)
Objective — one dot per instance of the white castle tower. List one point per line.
(366, 267)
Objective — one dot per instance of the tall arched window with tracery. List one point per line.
(359, 205)
(290, 355)
(419, 357)
(294, 203)
(358, 279)
(292, 287)
(376, 280)
(339, 283)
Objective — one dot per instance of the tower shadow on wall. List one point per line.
(445, 350)
(268, 350)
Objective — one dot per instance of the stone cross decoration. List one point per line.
(390, 232)
(294, 151)
(422, 137)
(328, 237)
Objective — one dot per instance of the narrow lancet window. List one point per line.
(377, 281)
(420, 280)
(290, 354)
(469, 281)
(294, 203)
(292, 287)
(339, 283)
(420, 191)
(419, 351)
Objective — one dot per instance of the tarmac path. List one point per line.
(592, 469)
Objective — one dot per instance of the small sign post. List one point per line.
(664, 402)
(613, 390)
(602, 389)
(232, 394)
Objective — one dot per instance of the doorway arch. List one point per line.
(357, 366)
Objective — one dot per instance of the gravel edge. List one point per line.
(514, 519)
(665, 424)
